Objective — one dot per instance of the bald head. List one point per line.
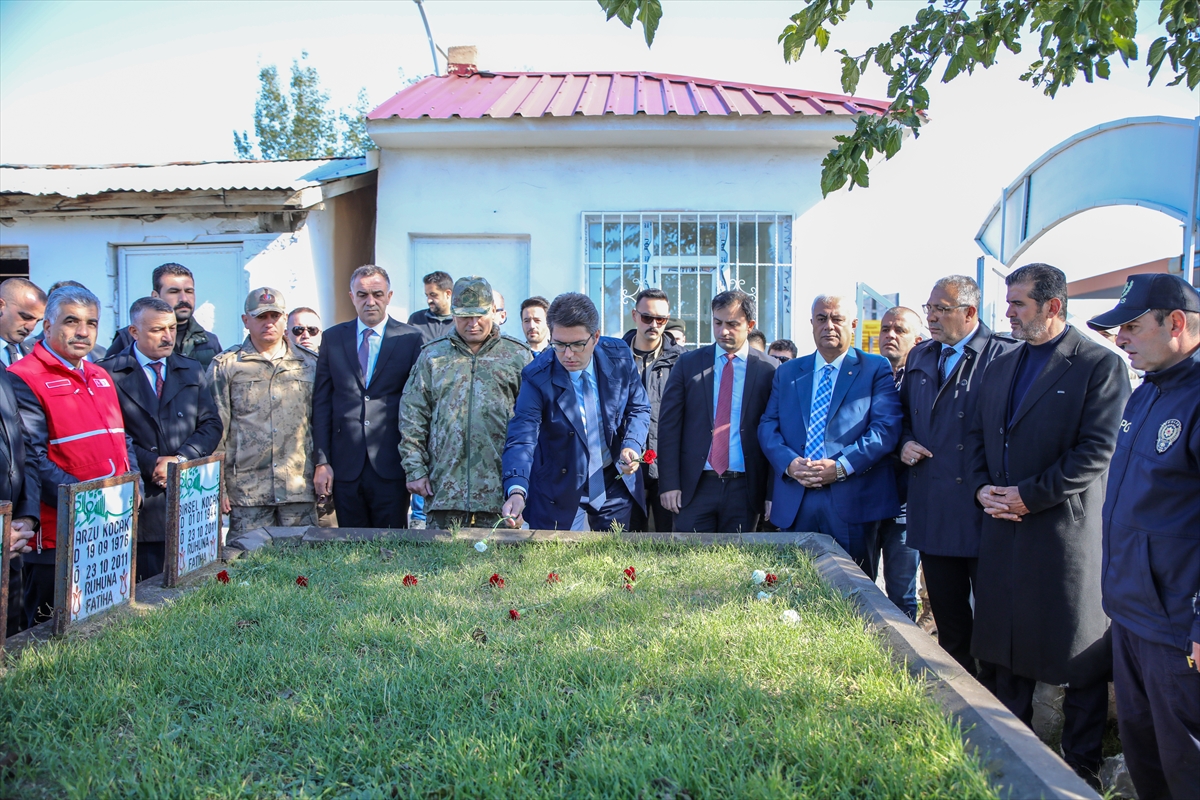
(22, 305)
(900, 330)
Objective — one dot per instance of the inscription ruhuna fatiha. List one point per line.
(99, 564)
(193, 515)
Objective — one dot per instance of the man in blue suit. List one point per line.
(581, 420)
(832, 422)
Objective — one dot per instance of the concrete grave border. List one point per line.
(1019, 765)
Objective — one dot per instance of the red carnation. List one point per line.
(649, 456)
(302, 582)
(514, 614)
(631, 573)
(553, 578)
(629, 587)
(410, 580)
(496, 580)
(771, 578)
(223, 576)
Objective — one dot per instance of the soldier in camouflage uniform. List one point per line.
(455, 410)
(263, 390)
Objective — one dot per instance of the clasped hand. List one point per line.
(813, 473)
(1002, 502)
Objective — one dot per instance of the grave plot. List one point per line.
(607, 668)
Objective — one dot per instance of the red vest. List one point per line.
(83, 420)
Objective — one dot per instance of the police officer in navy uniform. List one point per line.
(1151, 572)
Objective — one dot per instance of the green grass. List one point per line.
(361, 687)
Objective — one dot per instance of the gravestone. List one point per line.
(95, 556)
(193, 516)
(5, 545)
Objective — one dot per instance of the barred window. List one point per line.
(691, 257)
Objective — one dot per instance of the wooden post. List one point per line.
(194, 491)
(5, 544)
(96, 551)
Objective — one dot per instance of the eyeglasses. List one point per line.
(649, 319)
(782, 359)
(942, 309)
(575, 347)
(300, 329)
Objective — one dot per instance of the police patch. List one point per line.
(1167, 434)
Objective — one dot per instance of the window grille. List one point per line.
(692, 257)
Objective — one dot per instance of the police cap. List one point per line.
(1145, 292)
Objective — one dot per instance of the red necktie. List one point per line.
(158, 377)
(718, 454)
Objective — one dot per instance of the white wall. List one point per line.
(84, 249)
(541, 193)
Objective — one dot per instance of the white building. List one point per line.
(299, 226)
(605, 183)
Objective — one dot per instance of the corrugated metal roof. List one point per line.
(82, 181)
(593, 94)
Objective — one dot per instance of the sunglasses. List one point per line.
(647, 319)
(300, 329)
(782, 359)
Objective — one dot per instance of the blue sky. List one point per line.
(149, 82)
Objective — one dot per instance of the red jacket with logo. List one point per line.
(84, 429)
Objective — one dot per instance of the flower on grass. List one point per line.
(514, 614)
(629, 587)
(553, 578)
(481, 546)
(771, 578)
(790, 617)
(410, 580)
(764, 595)
(758, 576)
(496, 581)
(223, 576)
(630, 573)
(302, 582)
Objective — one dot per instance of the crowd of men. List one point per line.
(1056, 518)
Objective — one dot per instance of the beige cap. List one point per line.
(264, 299)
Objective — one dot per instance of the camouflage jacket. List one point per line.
(454, 419)
(266, 407)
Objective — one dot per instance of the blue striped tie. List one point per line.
(592, 425)
(814, 443)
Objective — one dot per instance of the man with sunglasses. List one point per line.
(654, 352)
(783, 350)
(575, 440)
(940, 393)
(304, 329)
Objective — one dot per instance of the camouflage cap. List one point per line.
(264, 299)
(472, 297)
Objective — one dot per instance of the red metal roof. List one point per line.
(502, 95)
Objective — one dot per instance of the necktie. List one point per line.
(898, 378)
(814, 442)
(942, 359)
(718, 454)
(364, 355)
(158, 377)
(591, 424)
(14, 355)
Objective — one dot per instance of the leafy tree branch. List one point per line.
(1074, 37)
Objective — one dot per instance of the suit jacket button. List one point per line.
(960, 447)
(553, 502)
(564, 472)
(1002, 430)
(958, 480)
(366, 397)
(922, 381)
(570, 433)
(961, 414)
(366, 422)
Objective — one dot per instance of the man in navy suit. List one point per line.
(832, 422)
(581, 421)
(361, 372)
(22, 490)
(712, 473)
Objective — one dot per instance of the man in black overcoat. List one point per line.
(169, 413)
(940, 393)
(1044, 434)
(361, 373)
(15, 488)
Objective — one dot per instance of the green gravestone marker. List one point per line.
(193, 516)
(95, 555)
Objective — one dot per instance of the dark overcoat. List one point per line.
(943, 517)
(183, 422)
(1037, 594)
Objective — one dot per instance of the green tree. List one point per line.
(301, 124)
(1074, 37)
